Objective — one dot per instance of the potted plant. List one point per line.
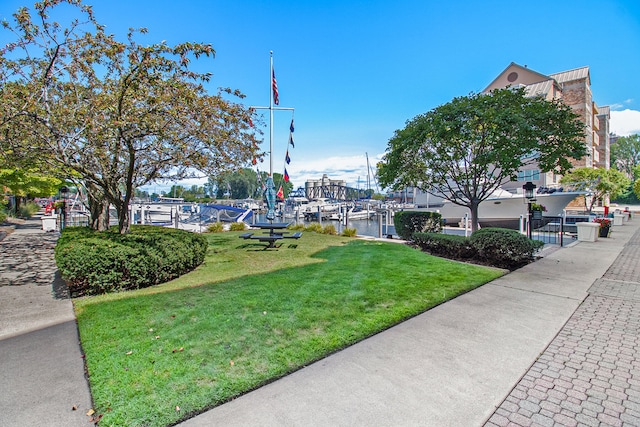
(536, 210)
(605, 226)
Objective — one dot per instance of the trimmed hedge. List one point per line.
(503, 247)
(446, 245)
(409, 222)
(94, 262)
(498, 247)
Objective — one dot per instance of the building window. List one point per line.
(529, 175)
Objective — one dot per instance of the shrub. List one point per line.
(446, 245)
(297, 226)
(28, 209)
(409, 222)
(215, 227)
(237, 226)
(314, 226)
(504, 248)
(94, 262)
(329, 229)
(349, 232)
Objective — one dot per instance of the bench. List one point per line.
(269, 239)
(246, 236)
(294, 236)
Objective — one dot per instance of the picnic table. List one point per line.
(275, 232)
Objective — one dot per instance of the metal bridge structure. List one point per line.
(332, 189)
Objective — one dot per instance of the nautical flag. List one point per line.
(291, 140)
(286, 175)
(274, 85)
(280, 193)
(287, 158)
(291, 128)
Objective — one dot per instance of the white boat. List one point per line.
(164, 212)
(353, 213)
(322, 206)
(503, 209)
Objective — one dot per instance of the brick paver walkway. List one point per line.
(590, 373)
(27, 259)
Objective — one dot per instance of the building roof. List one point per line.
(541, 88)
(604, 110)
(571, 75)
(536, 76)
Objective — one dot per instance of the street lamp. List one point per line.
(530, 196)
(64, 190)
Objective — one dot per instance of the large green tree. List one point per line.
(465, 149)
(115, 115)
(625, 154)
(27, 183)
(599, 183)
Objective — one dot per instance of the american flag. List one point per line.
(274, 85)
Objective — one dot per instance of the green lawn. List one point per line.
(247, 316)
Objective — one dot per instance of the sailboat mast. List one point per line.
(368, 173)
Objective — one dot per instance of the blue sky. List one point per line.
(355, 71)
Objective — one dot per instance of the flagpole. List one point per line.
(271, 114)
(271, 108)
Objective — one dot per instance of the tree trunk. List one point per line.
(122, 208)
(98, 208)
(17, 202)
(100, 215)
(475, 224)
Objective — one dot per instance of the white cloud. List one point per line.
(625, 122)
(351, 169)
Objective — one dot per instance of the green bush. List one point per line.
(329, 229)
(316, 227)
(215, 227)
(237, 226)
(93, 262)
(446, 245)
(504, 248)
(296, 227)
(28, 209)
(349, 232)
(409, 222)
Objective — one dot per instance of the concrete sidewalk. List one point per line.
(451, 366)
(42, 380)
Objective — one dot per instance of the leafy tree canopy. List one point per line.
(625, 154)
(116, 115)
(465, 149)
(23, 182)
(599, 182)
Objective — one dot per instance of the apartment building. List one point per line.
(573, 87)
